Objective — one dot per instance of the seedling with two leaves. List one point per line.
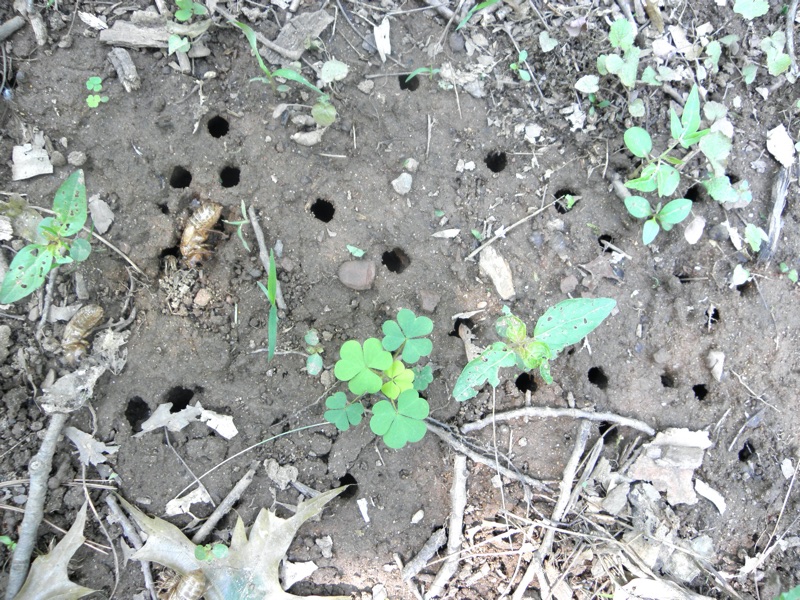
(240, 224)
(187, 9)
(659, 218)
(519, 66)
(95, 84)
(562, 325)
(380, 369)
(626, 65)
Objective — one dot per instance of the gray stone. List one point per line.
(402, 185)
(357, 274)
(568, 284)
(428, 301)
(76, 158)
(57, 159)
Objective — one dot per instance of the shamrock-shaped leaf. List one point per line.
(357, 363)
(341, 414)
(401, 425)
(94, 84)
(423, 376)
(406, 332)
(400, 379)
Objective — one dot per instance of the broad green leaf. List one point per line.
(531, 355)
(675, 128)
(80, 249)
(399, 379)
(272, 331)
(94, 84)
(251, 39)
(511, 328)
(407, 333)
(314, 365)
(650, 231)
(750, 9)
(311, 337)
(720, 189)
(176, 43)
(714, 51)
(356, 365)
(792, 594)
(778, 64)
(636, 108)
(69, 204)
(26, 273)
(638, 141)
(402, 425)
(691, 139)
(749, 72)
(649, 76)
(333, 70)
(674, 212)
(647, 181)
(483, 369)
(667, 179)
(621, 34)
(423, 377)
(614, 63)
(570, 321)
(340, 413)
(293, 75)
(602, 68)
(716, 147)
(754, 236)
(690, 119)
(524, 75)
(715, 111)
(324, 113)
(638, 207)
(547, 43)
(630, 67)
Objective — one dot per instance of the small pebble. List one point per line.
(76, 158)
(57, 159)
(568, 284)
(357, 274)
(457, 42)
(402, 185)
(411, 165)
(428, 301)
(202, 298)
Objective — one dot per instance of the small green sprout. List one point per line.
(314, 363)
(478, 7)
(355, 251)
(188, 9)
(8, 542)
(791, 274)
(240, 224)
(778, 61)
(209, 552)
(429, 71)
(95, 84)
(176, 43)
(754, 236)
(53, 246)
(661, 218)
(518, 67)
(625, 66)
(271, 292)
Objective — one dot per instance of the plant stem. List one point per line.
(38, 472)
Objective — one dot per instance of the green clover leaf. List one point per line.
(94, 84)
(401, 425)
(423, 376)
(357, 364)
(400, 379)
(406, 332)
(341, 414)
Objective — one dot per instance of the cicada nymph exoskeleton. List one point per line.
(193, 241)
(74, 342)
(191, 586)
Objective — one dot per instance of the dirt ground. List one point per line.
(200, 335)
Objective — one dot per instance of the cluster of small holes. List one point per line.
(323, 210)
(700, 391)
(137, 412)
(229, 177)
(496, 161)
(598, 377)
(218, 126)
(526, 383)
(411, 85)
(396, 260)
(180, 178)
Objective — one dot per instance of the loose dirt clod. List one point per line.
(357, 274)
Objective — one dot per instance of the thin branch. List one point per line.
(226, 505)
(505, 231)
(543, 412)
(133, 537)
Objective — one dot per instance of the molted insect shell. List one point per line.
(74, 343)
(196, 233)
(191, 586)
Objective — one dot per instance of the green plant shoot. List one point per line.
(271, 292)
(314, 363)
(661, 218)
(429, 71)
(562, 325)
(478, 7)
(188, 9)
(240, 224)
(95, 84)
(54, 246)
(210, 551)
(518, 67)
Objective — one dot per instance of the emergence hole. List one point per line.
(526, 383)
(496, 161)
(137, 412)
(323, 210)
(598, 377)
(468, 322)
(683, 277)
(667, 380)
(180, 178)
(700, 391)
(565, 200)
(712, 316)
(609, 432)
(747, 451)
(411, 85)
(351, 491)
(604, 240)
(694, 193)
(180, 398)
(218, 126)
(229, 177)
(396, 260)
(746, 287)
(163, 208)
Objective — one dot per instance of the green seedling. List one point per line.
(778, 61)
(429, 71)
(562, 325)
(8, 542)
(518, 67)
(754, 236)
(53, 246)
(210, 552)
(478, 7)
(188, 9)
(791, 274)
(792, 594)
(271, 292)
(314, 348)
(380, 369)
(751, 9)
(176, 43)
(355, 251)
(624, 65)
(323, 111)
(95, 84)
(240, 224)
(661, 218)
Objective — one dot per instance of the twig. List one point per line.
(99, 548)
(779, 190)
(790, 16)
(290, 54)
(535, 568)
(48, 299)
(226, 505)
(416, 564)
(133, 537)
(505, 231)
(38, 472)
(263, 253)
(9, 27)
(188, 469)
(543, 412)
(458, 499)
(441, 7)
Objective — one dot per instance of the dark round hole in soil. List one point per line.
(352, 490)
(137, 412)
(526, 383)
(180, 398)
(745, 288)
(683, 277)
(164, 208)
(598, 377)
(180, 178)
(323, 210)
(468, 322)
(694, 193)
(229, 177)
(609, 432)
(411, 85)
(496, 161)
(667, 380)
(563, 200)
(605, 239)
(218, 126)
(712, 316)
(396, 260)
(747, 451)
(700, 391)
(734, 179)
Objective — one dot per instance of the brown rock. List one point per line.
(357, 274)
(202, 298)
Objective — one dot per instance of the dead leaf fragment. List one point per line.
(102, 215)
(446, 233)
(496, 267)
(27, 162)
(781, 145)
(308, 138)
(715, 361)
(709, 493)
(91, 450)
(694, 231)
(382, 40)
(182, 505)
(162, 417)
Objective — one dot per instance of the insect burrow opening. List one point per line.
(180, 178)
(218, 126)
(396, 260)
(496, 160)
(323, 210)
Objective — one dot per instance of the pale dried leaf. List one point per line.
(70, 392)
(102, 215)
(162, 417)
(92, 21)
(694, 231)
(781, 145)
(222, 424)
(308, 138)
(382, 41)
(446, 233)
(715, 361)
(6, 230)
(710, 494)
(182, 505)
(292, 572)
(91, 450)
(496, 267)
(28, 162)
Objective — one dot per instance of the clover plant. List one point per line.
(95, 84)
(791, 274)
(380, 369)
(53, 246)
(314, 348)
(625, 65)
(562, 325)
